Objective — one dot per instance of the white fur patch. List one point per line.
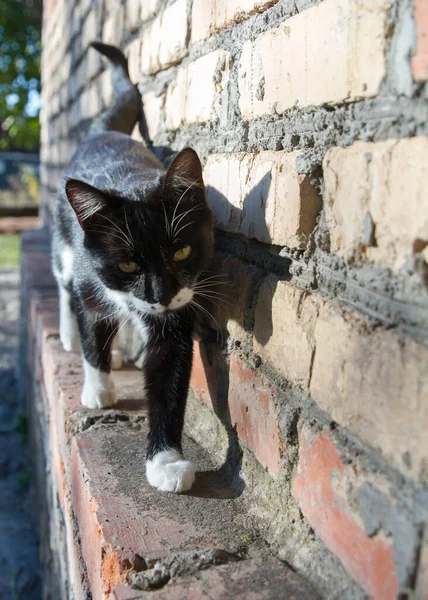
(169, 472)
(68, 330)
(184, 296)
(67, 265)
(98, 389)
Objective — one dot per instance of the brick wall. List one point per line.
(311, 118)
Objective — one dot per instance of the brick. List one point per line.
(148, 9)
(18, 224)
(89, 29)
(210, 16)
(284, 329)
(345, 40)
(133, 53)
(204, 374)
(256, 578)
(364, 189)
(197, 94)
(374, 382)
(420, 59)
(262, 196)
(133, 14)
(153, 105)
(113, 27)
(320, 490)
(164, 41)
(253, 414)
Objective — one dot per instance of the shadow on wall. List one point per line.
(234, 287)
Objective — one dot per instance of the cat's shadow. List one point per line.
(226, 481)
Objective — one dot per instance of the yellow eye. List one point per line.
(128, 267)
(183, 253)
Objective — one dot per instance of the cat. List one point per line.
(131, 241)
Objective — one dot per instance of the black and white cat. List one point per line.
(131, 242)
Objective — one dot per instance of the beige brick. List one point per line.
(133, 53)
(114, 26)
(330, 53)
(133, 14)
(152, 109)
(106, 87)
(262, 196)
(375, 383)
(164, 40)
(376, 200)
(148, 9)
(89, 29)
(197, 94)
(284, 329)
(210, 16)
(90, 102)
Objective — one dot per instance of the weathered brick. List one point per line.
(204, 374)
(133, 53)
(113, 27)
(374, 382)
(148, 8)
(152, 109)
(284, 329)
(210, 16)
(164, 40)
(320, 488)
(345, 40)
(89, 29)
(262, 578)
(420, 59)
(364, 189)
(197, 94)
(253, 414)
(262, 196)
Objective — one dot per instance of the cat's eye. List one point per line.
(128, 267)
(183, 253)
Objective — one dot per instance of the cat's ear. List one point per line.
(185, 171)
(85, 200)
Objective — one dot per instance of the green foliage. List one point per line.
(20, 47)
(10, 249)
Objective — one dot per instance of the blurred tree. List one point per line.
(20, 47)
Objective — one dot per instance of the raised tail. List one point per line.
(127, 107)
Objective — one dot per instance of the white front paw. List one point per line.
(169, 472)
(98, 389)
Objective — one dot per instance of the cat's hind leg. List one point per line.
(68, 330)
(97, 335)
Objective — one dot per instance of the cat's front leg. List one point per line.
(168, 369)
(97, 336)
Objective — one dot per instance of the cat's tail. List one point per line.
(127, 107)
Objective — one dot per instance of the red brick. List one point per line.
(369, 559)
(203, 380)
(253, 414)
(18, 224)
(420, 59)
(116, 525)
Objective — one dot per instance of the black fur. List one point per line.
(118, 204)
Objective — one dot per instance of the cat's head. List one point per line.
(150, 245)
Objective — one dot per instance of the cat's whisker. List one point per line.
(127, 226)
(184, 227)
(214, 320)
(126, 239)
(181, 216)
(179, 200)
(211, 295)
(167, 224)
